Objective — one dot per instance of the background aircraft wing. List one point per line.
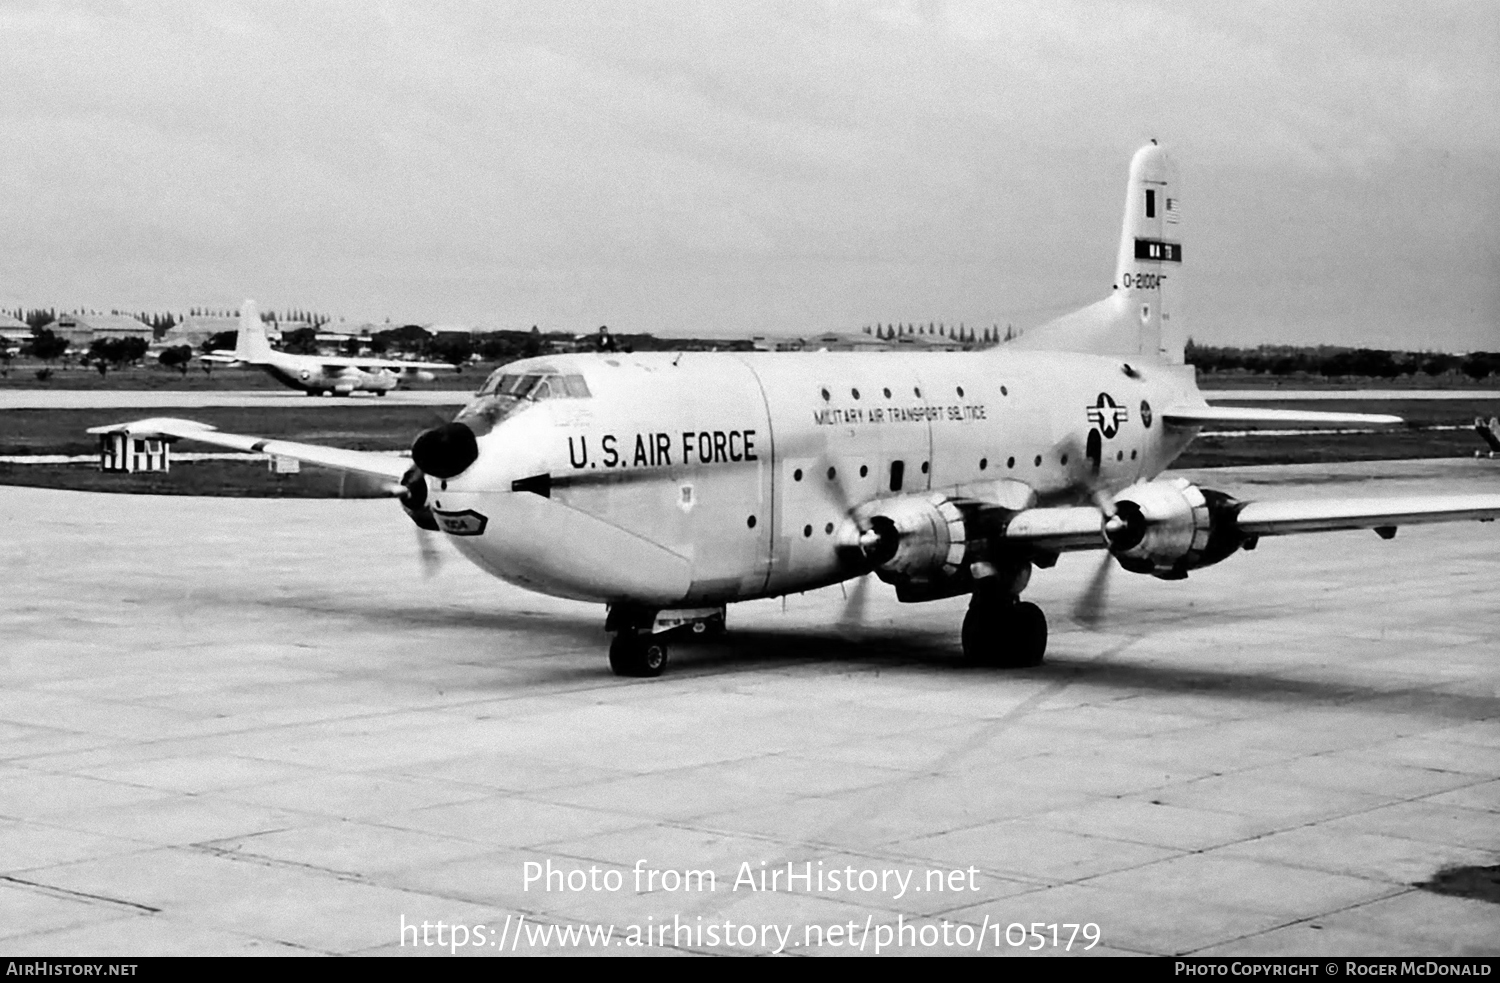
(1191, 416)
(334, 362)
(223, 358)
(361, 462)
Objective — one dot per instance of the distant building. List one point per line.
(830, 341)
(928, 342)
(195, 330)
(81, 330)
(14, 331)
(339, 330)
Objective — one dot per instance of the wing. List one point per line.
(1183, 415)
(1058, 530)
(1283, 518)
(334, 362)
(220, 358)
(361, 462)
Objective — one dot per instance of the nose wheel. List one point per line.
(1004, 632)
(635, 654)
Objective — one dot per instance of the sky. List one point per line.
(754, 166)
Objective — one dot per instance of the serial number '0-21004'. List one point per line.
(660, 450)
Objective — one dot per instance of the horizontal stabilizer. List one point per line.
(361, 462)
(1196, 416)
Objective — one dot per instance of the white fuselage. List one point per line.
(694, 479)
(309, 374)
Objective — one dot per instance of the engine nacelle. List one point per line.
(1166, 528)
(920, 543)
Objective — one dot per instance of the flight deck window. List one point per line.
(506, 393)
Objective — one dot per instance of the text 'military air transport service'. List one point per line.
(325, 375)
(667, 486)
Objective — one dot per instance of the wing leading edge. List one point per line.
(1193, 416)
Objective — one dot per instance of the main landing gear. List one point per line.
(1001, 630)
(640, 645)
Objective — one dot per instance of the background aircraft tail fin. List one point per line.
(251, 344)
(1143, 314)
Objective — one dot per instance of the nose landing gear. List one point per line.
(634, 654)
(639, 648)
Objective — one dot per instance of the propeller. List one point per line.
(413, 498)
(876, 541)
(428, 552)
(855, 603)
(1090, 607)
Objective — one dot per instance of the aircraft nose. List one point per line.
(445, 451)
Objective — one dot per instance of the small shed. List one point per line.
(127, 450)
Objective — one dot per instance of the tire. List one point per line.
(640, 656)
(1007, 635)
(981, 635)
(1028, 636)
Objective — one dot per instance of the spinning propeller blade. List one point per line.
(1089, 609)
(428, 552)
(856, 600)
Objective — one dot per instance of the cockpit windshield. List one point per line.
(508, 392)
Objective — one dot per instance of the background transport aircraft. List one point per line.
(317, 374)
(669, 485)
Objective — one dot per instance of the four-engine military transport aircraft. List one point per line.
(669, 485)
(317, 374)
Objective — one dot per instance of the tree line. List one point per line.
(1336, 362)
(458, 348)
(962, 334)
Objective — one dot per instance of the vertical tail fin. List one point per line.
(1148, 272)
(1143, 315)
(251, 344)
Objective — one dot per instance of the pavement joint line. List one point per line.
(1406, 889)
(262, 860)
(63, 892)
